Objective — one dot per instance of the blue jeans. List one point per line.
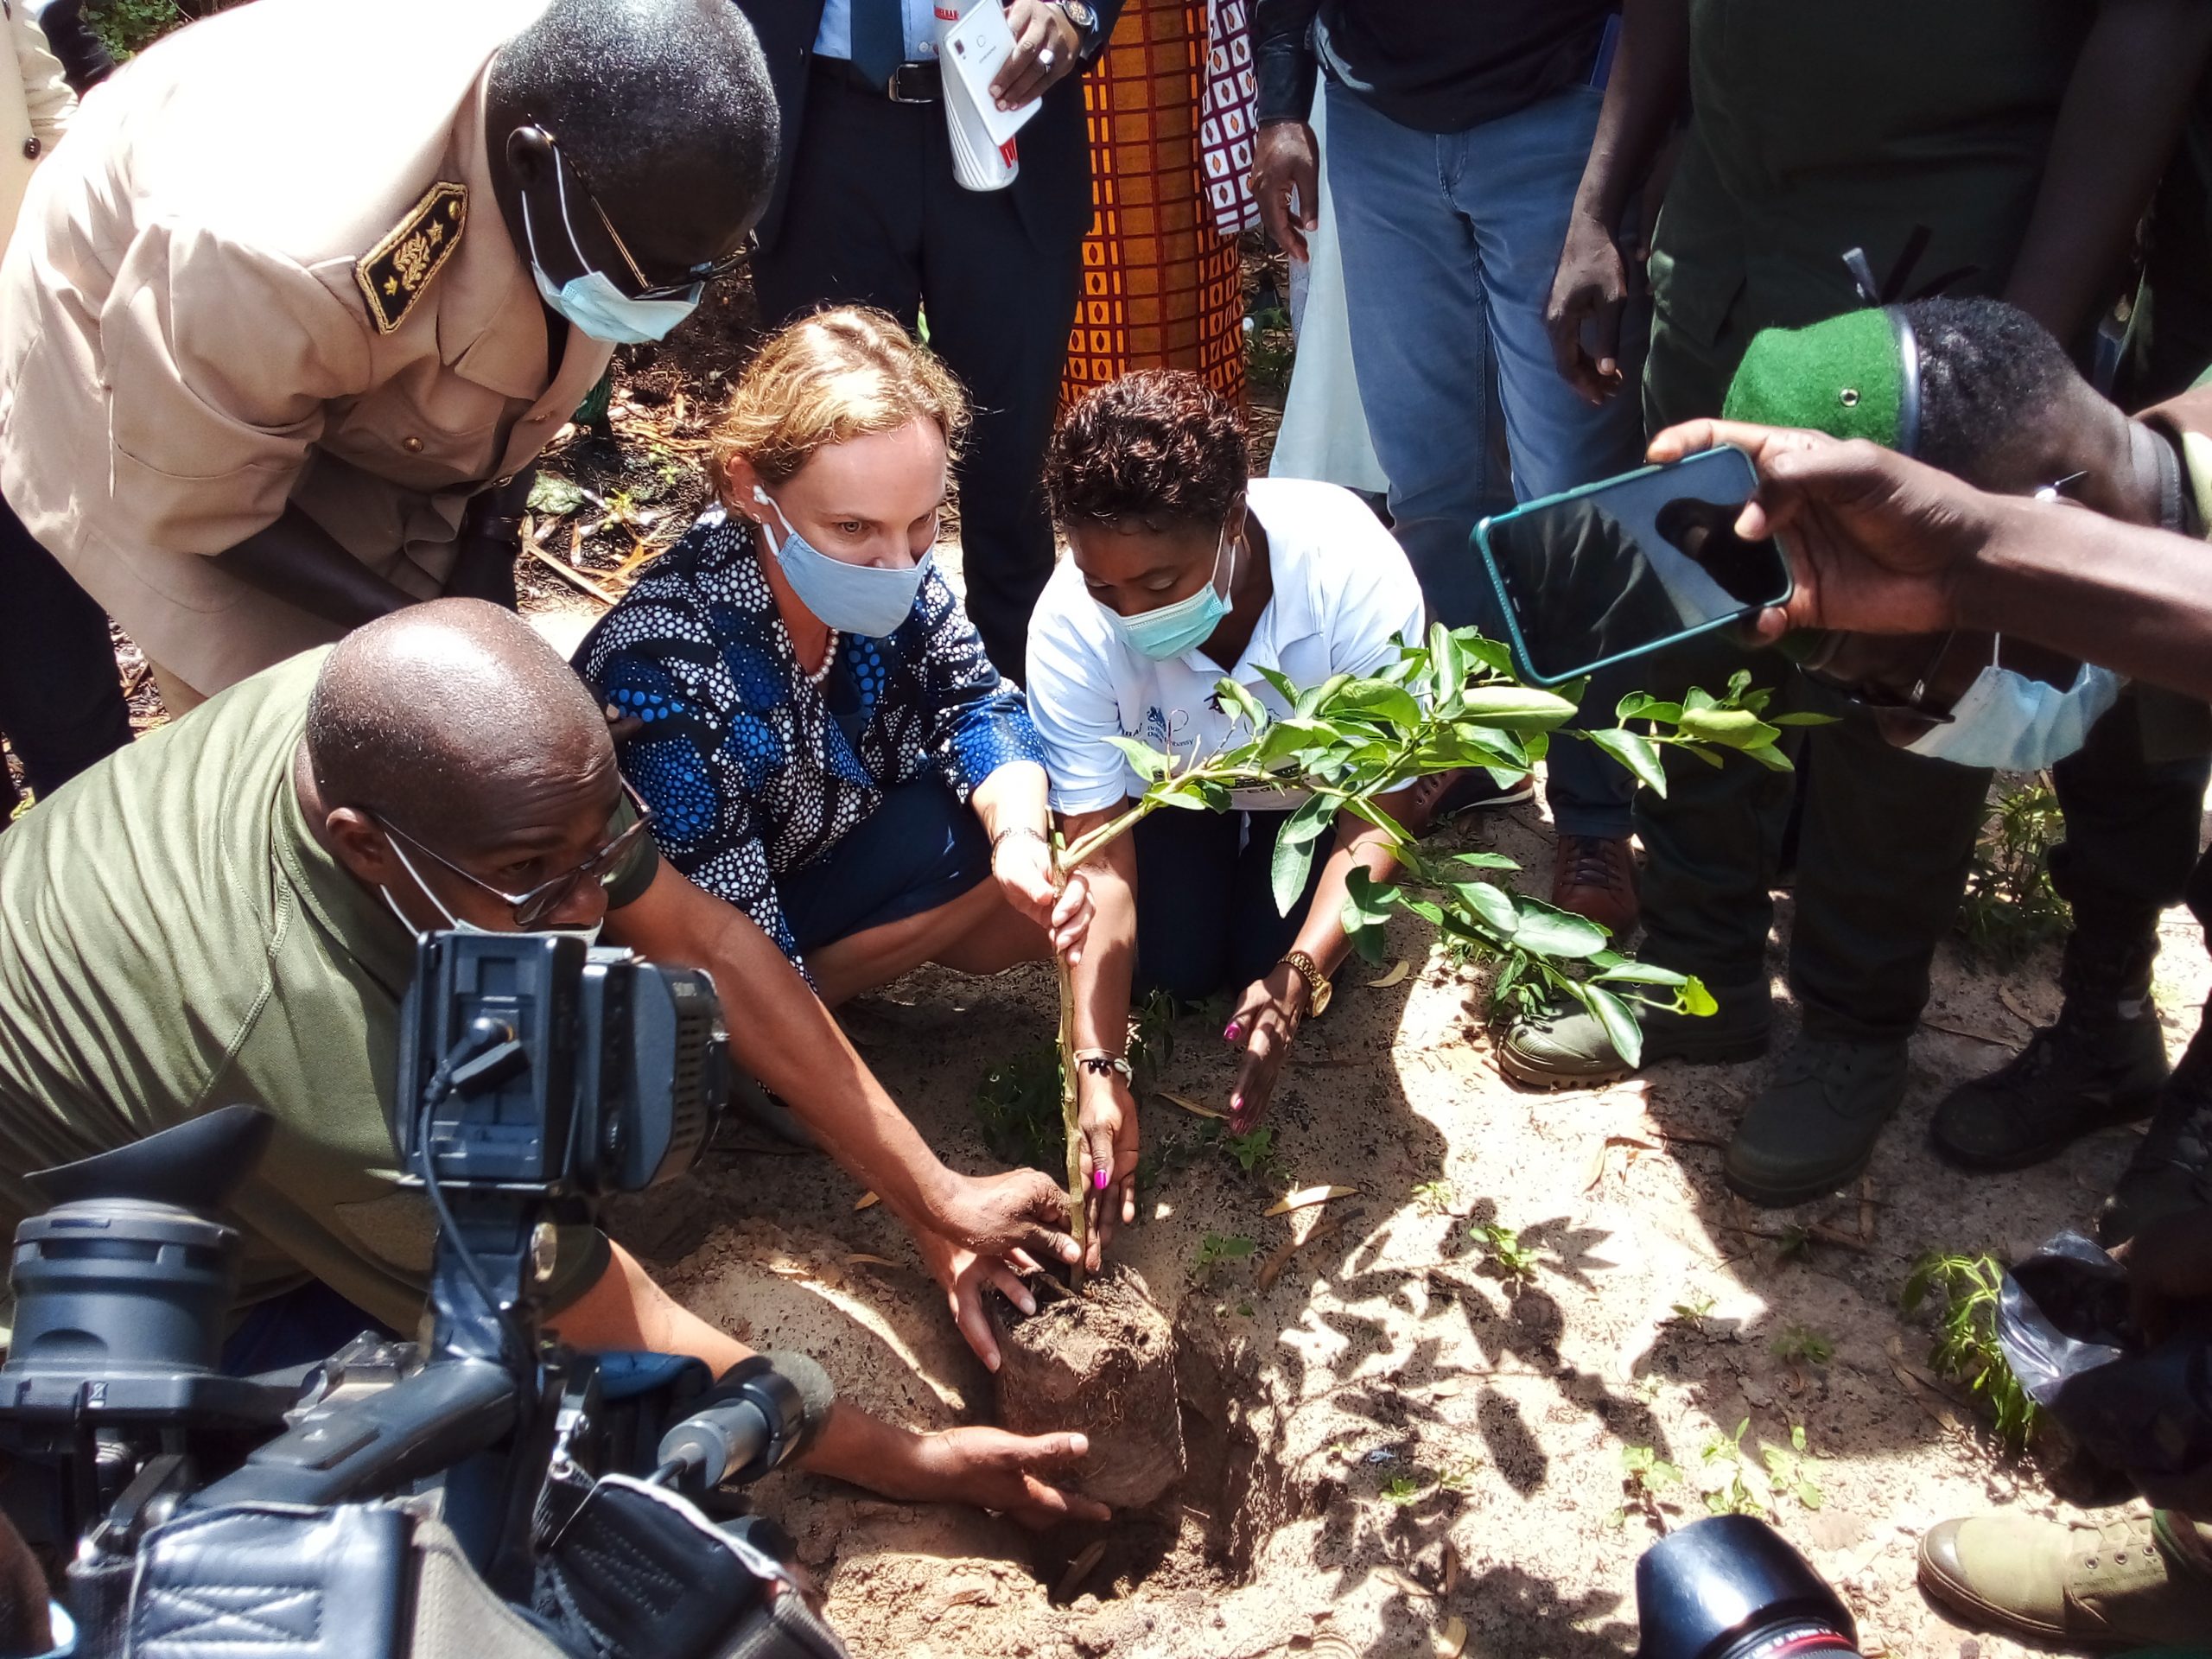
(1449, 243)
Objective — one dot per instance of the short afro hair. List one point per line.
(631, 87)
(1988, 371)
(1160, 446)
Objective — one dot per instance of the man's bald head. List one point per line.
(453, 720)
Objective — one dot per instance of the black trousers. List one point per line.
(61, 704)
(1206, 915)
(2132, 830)
(876, 219)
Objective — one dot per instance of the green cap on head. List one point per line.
(1855, 376)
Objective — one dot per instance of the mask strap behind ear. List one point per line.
(1908, 382)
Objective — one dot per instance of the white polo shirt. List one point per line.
(1344, 596)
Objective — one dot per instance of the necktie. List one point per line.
(879, 38)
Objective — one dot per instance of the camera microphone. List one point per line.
(765, 1410)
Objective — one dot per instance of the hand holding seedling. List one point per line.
(1350, 748)
(1107, 1118)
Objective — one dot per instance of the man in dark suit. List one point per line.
(865, 210)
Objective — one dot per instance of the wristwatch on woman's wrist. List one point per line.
(1318, 988)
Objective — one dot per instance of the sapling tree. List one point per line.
(1452, 702)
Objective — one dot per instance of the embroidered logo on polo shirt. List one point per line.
(393, 274)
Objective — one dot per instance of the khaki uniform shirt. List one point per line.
(1818, 129)
(174, 940)
(268, 268)
(35, 106)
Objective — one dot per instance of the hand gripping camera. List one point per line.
(487, 1491)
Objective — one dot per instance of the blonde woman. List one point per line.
(818, 731)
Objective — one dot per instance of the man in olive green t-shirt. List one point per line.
(223, 912)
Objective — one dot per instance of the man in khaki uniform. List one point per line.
(271, 332)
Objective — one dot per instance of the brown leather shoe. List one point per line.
(1595, 876)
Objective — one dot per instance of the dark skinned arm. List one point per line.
(975, 1232)
(1273, 1008)
(1651, 66)
(301, 563)
(1880, 544)
(625, 1310)
(2123, 109)
(1102, 978)
(1287, 161)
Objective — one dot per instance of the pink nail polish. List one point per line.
(1098, 1178)
(1233, 1033)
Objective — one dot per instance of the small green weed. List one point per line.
(1402, 1489)
(1734, 1495)
(1254, 1153)
(126, 27)
(1785, 1467)
(1457, 1477)
(2011, 907)
(1966, 1348)
(1438, 1198)
(1515, 1262)
(1216, 1248)
(1799, 1344)
(1018, 1109)
(1795, 1243)
(1692, 1311)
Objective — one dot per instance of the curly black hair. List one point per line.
(1988, 371)
(1160, 446)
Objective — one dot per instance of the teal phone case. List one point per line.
(1520, 646)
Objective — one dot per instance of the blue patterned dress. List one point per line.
(754, 772)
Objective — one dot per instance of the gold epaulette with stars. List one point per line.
(394, 273)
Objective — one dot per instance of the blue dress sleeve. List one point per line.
(979, 720)
(700, 755)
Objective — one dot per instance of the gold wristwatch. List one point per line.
(1317, 989)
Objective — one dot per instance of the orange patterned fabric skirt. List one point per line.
(1161, 287)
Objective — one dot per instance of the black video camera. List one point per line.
(535, 1075)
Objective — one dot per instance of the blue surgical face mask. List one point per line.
(588, 935)
(591, 301)
(862, 599)
(2013, 724)
(1167, 632)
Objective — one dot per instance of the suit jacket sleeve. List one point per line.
(219, 361)
(45, 93)
(1282, 32)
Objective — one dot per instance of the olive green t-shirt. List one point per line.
(173, 940)
(1817, 128)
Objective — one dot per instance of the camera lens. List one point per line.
(1728, 1587)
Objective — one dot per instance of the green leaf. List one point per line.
(1735, 729)
(1384, 702)
(1492, 655)
(1642, 973)
(1281, 681)
(1447, 667)
(1772, 758)
(1621, 1029)
(1313, 696)
(1552, 932)
(1695, 998)
(1636, 752)
(1149, 762)
(555, 494)
(1642, 705)
(1516, 706)
(1486, 861)
(1295, 844)
(1368, 898)
(1234, 699)
(1492, 906)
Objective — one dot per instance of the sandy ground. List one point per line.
(1414, 1447)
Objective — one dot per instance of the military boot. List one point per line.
(2101, 1064)
(1814, 1126)
(2172, 1168)
(2106, 1584)
(1565, 1046)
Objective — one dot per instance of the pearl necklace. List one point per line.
(815, 677)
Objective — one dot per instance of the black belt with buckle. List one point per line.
(917, 81)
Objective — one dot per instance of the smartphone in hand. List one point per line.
(1618, 570)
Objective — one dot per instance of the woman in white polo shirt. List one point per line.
(1183, 569)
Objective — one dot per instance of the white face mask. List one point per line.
(588, 935)
(591, 301)
(2010, 722)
